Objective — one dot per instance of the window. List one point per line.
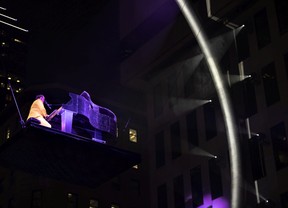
(244, 97)
(243, 49)
(280, 145)
(162, 196)
(12, 203)
(262, 28)
(286, 62)
(281, 7)
(179, 197)
(270, 84)
(196, 186)
(93, 203)
(135, 186)
(172, 90)
(257, 157)
(250, 102)
(116, 184)
(158, 100)
(175, 140)
(160, 149)
(133, 135)
(72, 200)
(284, 200)
(215, 179)
(192, 130)
(8, 133)
(210, 121)
(36, 199)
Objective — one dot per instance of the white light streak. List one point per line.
(3, 8)
(19, 28)
(8, 17)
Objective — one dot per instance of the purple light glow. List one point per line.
(220, 202)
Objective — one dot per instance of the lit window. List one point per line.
(133, 135)
(8, 133)
(93, 203)
(115, 206)
(72, 200)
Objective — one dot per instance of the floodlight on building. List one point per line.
(255, 134)
(185, 105)
(233, 79)
(201, 152)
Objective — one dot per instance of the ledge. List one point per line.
(70, 158)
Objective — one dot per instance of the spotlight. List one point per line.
(255, 134)
(210, 101)
(215, 156)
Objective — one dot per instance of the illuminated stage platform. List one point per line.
(58, 155)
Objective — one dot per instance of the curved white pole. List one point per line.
(224, 102)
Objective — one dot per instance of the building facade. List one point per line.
(185, 129)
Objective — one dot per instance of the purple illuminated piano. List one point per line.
(82, 117)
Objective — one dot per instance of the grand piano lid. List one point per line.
(54, 154)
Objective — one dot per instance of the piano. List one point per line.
(82, 117)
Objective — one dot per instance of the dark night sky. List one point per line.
(75, 43)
